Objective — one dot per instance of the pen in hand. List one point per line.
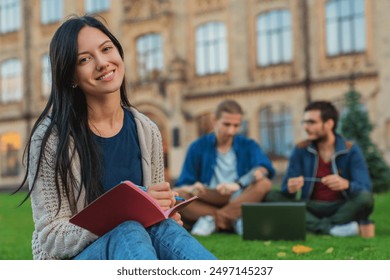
(178, 198)
(311, 179)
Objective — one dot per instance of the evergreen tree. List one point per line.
(355, 125)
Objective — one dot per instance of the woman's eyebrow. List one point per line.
(83, 52)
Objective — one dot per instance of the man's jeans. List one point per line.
(131, 241)
(321, 216)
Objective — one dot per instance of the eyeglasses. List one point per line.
(309, 122)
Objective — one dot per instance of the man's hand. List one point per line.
(195, 189)
(260, 173)
(227, 188)
(295, 184)
(335, 182)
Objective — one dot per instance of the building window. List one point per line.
(46, 75)
(276, 132)
(274, 45)
(51, 11)
(9, 15)
(10, 144)
(387, 133)
(95, 6)
(211, 49)
(10, 81)
(149, 55)
(345, 27)
(244, 128)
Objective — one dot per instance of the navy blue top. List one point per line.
(122, 159)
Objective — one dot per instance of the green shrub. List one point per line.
(355, 125)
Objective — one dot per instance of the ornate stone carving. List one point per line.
(275, 74)
(145, 9)
(211, 81)
(206, 6)
(177, 70)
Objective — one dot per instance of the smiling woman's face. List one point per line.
(99, 66)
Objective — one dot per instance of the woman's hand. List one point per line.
(163, 195)
(177, 218)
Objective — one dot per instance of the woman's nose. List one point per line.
(101, 63)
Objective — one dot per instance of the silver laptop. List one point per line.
(274, 221)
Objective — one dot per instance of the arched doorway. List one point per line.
(161, 120)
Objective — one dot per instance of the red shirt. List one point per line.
(320, 191)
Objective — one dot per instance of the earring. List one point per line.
(74, 86)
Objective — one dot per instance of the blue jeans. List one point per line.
(131, 241)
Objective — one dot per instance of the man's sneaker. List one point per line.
(238, 226)
(349, 229)
(204, 226)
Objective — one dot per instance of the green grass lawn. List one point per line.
(16, 227)
(324, 247)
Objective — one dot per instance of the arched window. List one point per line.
(149, 54)
(345, 27)
(10, 144)
(244, 128)
(211, 49)
(274, 45)
(387, 133)
(276, 132)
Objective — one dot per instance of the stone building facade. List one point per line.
(184, 56)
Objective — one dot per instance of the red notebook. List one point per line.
(124, 202)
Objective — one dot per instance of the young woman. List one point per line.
(87, 140)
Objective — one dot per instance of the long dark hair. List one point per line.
(67, 109)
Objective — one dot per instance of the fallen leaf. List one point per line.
(281, 254)
(267, 243)
(329, 250)
(301, 249)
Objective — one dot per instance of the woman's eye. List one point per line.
(83, 60)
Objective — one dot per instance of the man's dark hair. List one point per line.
(228, 106)
(327, 110)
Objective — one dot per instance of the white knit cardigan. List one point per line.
(54, 237)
